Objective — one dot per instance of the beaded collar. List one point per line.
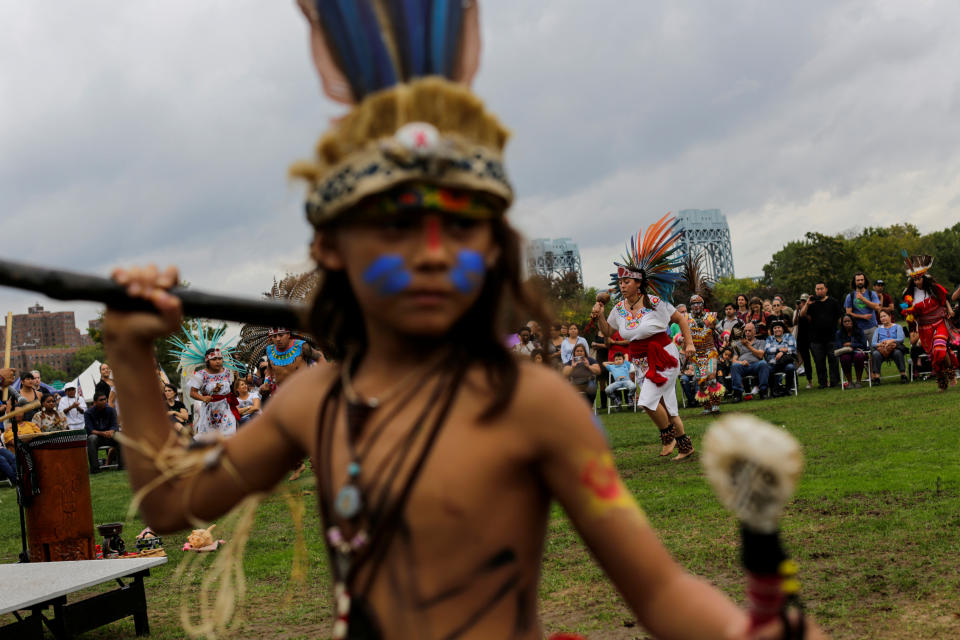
(282, 359)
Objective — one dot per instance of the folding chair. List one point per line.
(624, 393)
(104, 462)
(869, 368)
(784, 374)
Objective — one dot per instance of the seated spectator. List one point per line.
(689, 380)
(526, 345)
(24, 428)
(724, 368)
(888, 344)
(760, 320)
(851, 346)
(50, 418)
(730, 325)
(780, 352)
(8, 466)
(768, 307)
(101, 425)
(72, 407)
(572, 340)
(176, 410)
(28, 394)
(781, 314)
(749, 352)
(582, 372)
(620, 373)
(248, 402)
(537, 356)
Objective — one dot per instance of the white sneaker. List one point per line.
(755, 390)
(801, 371)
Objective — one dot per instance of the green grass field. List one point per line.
(875, 527)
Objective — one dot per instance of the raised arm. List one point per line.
(579, 469)
(597, 314)
(253, 460)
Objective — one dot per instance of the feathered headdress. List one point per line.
(652, 258)
(190, 353)
(254, 339)
(916, 265)
(406, 67)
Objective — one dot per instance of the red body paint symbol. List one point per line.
(433, 233)
(601, 479)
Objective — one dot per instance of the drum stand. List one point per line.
(24, 552)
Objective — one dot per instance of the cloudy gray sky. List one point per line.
(161, 131)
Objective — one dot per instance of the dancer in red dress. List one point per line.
(926, 302)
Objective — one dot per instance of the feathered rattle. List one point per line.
(753, 467)
(907, 307)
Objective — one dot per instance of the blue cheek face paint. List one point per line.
(467, 273)
(388, 275)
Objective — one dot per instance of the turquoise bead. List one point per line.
(353, 469)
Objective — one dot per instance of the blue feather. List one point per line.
(359, 45)
(381, 62)
(438, 36)
(410, 33)
(340, 43)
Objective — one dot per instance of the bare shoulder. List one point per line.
(546, 406)
(295, 405)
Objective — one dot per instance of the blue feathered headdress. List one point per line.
(370, 45)
(199, 339)
(653, 258)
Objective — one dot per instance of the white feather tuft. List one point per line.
(753, 467)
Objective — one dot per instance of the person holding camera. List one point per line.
(888, 344)
(582, 371)
(822, 315)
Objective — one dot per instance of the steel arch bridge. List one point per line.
(557, 257)
(706, 231)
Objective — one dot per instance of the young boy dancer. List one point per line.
(437, 453)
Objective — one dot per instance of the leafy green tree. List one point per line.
(945, 247)
(877, 251)
(83, 358)
(796, 267)
(48, 374)
(727, 289)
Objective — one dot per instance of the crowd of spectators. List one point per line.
(767, 343)
(101, 419)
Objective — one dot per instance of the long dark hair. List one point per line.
(476, 338)
(930, 286)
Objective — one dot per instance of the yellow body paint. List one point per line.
(602, 487)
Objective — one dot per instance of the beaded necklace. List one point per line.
(374, 521)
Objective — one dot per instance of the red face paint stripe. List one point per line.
(433, 233)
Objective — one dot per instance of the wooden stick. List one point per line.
(67, 285)
(24, 409)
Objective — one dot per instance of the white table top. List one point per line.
(24, 585)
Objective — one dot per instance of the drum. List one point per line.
(56, 493)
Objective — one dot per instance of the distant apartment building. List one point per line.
(44, 337)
